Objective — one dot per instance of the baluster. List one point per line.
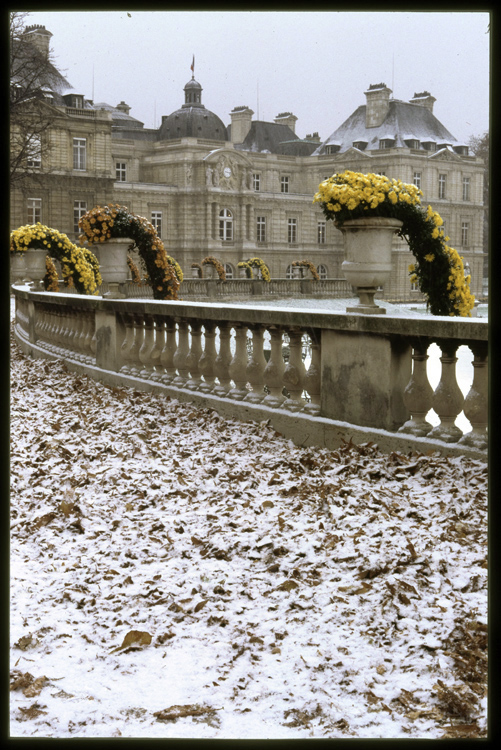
(238, 365)
(93, 339)
(39, 322)
(87, 339)
(312, 378)
(256, 366)
(75, 333)
(158, 345)
(63, 331)
(193, 358)
(135, 362)
(295, 372)
(125, 349)
(167, 355)
(56, 329)
(476, 401)
(49, 333)
(448, 399)
(146, 348)
(181, 354)
(207, 360)
(223, 361)
(274, 371)
(418, 394)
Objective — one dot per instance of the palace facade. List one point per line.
(246, 189)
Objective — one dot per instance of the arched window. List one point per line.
(288, 273)
(225, 225)
(228, 268)
(322, 271)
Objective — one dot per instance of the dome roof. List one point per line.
(192, 120)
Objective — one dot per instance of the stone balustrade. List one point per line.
(234, 289)
(364, 377)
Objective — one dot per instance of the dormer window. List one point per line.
(412, 143)
(361, 145)
(333, 149)
(461, 150)
(386, 143)
(429, 145)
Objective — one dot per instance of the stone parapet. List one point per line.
(330, 374)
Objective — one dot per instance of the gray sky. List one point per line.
(316, 65)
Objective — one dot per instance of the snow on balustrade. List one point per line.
(294, 361)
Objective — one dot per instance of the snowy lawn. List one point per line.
(177, 574)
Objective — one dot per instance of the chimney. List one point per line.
(123, 107)
(315, 137)
(39, 36)
(377, 104)
(286, 118)
(424, 99)
(241, 120)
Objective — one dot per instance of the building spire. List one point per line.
(193, 69)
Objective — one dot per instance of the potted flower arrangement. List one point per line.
(79, 266)
(245, 269)
(103, 224)
(211, 262)
(307, 264)
(361, 202)
(260, 265)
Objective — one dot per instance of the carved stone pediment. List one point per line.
(446, 155)
(227, 169)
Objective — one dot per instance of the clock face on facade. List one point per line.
(227, 172)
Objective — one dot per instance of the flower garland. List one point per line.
(307, 264)
(104, 222)
(80, 267)
(51, 279)
(247, 267)
(136, 276)
(210, 260)
(439, 268)
(258, 263)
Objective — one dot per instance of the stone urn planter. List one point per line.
(112, 256)
(367, 243)
(209, 271)
(297, 272)
(256, 273)
(195, 273)
(18, 267)
(243, 273)
(35, 266)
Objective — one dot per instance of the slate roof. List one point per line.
(119, 118)
(403, 121)
(273, 138)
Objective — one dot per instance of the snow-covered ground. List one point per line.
(177, 574)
